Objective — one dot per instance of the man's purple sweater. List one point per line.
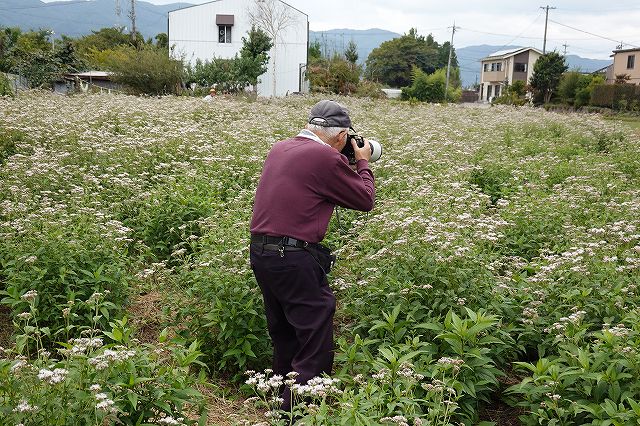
(302, 181)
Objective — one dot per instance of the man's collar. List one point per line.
(305, 133)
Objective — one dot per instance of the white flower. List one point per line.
(19, 365)
(95, 388)
(30, 295)
(53, 377)
(25, 407)
(25, 316)
(168, 420)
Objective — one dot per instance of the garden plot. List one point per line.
(499, 266)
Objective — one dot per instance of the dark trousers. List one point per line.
(299, 306)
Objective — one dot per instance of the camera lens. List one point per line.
(376, 150)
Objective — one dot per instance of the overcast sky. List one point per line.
(495, 22)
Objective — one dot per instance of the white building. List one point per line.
(216, 28)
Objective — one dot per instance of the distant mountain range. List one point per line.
(77, 18)
(81, 17)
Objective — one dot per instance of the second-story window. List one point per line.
(498, 67)
(520, 67)
(631, 59)
(486, 67)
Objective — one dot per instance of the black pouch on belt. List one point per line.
(323, 256)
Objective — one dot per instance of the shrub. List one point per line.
(145, 70)
(370, 89)
(616, 96)
(335, 75)
(225, 74)
(425, 87)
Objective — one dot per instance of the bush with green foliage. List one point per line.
(575, 88)
(334, 75)
(430, 87)
(616, 96)
(513, 94)
(146, 70)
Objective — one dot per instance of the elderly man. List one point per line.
(302, 180)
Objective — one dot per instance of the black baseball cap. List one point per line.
(329, 114)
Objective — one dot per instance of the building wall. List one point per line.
(490, 80)
(522, 58)
(533, 58)
(194, 34)
(620, 66)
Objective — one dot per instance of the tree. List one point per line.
(274, 18)
(568, 86)
(335, 75)
(547, 72)
(352, 52)
(315, 51)
(146, 70)
(253, 56)
(392, 62)
(30, 55)
(162, 41)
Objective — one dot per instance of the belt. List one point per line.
(283, 241)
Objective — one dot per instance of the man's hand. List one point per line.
(363, 153)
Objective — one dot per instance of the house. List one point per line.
(215, 29)
(504, 67)
(626, 61)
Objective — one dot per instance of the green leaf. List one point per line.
(133, 399)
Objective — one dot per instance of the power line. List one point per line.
(593, 34)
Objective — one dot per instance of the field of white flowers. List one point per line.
(499, 268)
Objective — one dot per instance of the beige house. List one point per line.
(625, 61)
(504, 67)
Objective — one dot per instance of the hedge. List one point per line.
(616, 96)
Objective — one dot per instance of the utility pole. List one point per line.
(446, 87)
(546, 21)
(565, 45)
(132, 15)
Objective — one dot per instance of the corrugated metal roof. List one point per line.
(504, 52)
(102, 74)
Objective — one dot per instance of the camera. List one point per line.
(347, 151)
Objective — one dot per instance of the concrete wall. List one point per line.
(194, 34)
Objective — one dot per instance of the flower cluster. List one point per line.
(317, 387)
(109, 356)
(53, 377)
